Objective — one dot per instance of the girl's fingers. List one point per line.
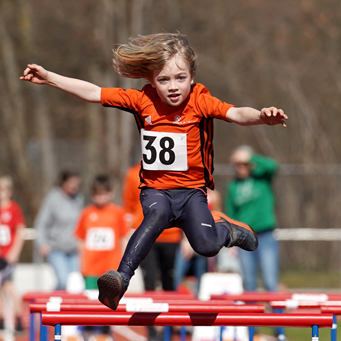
(26, 71)
(278, 116)
(32, 66)
(267, 112)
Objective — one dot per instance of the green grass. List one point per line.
(310, 280)
(301, 334)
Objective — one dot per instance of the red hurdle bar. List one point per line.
(277, 296)
(187, 319)
(336, 310)
(64, 296)
(291, 304)
(67, 300)
(315, 321)
(193, 301)
(314, 297)
(202, 308)
(33, 295)
(172, 297)
(207, 307)
(177, 306)
(331, 307)
(158, 295)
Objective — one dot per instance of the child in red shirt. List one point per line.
(12, 224)
(175, 120)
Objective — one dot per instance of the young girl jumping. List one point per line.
(175, 120)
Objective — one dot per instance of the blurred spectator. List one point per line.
(186, 259)
(12, 224)
(158, 266)
(55, 225)
(103, 235)
(250, 199)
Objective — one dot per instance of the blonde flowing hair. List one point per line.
(144, 54)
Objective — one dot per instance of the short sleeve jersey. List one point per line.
(177, 149)
(10, 217)
(101, 229)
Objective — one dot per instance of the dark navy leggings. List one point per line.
(183, 208)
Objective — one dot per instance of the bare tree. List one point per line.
(13, 117)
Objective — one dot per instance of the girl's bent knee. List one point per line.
(206, 251)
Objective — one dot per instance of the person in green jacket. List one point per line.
(250, 199)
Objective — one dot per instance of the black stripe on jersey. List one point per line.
(132, 111)
(210, 152)
(140, 174)
(206, 148)
(139, 121)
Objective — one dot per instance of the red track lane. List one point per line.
(187, 319)
(331, 310)
(38, 307)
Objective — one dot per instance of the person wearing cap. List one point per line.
(250, 199)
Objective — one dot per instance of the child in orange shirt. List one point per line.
(102, 232)
(175, 119)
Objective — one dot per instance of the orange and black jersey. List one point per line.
(177, 149)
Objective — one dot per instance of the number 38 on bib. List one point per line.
(164, 151)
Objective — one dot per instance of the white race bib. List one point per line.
(164, 151)
(5, 235)
(100, 238)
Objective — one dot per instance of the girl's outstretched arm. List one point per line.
(248, 116)
(84, 90)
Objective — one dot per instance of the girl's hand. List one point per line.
(273, 116)
(35, 73)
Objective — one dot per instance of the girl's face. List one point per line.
(173, 82)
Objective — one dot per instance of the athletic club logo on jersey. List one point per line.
(177, 118)
(93, 216)
(148, 119)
